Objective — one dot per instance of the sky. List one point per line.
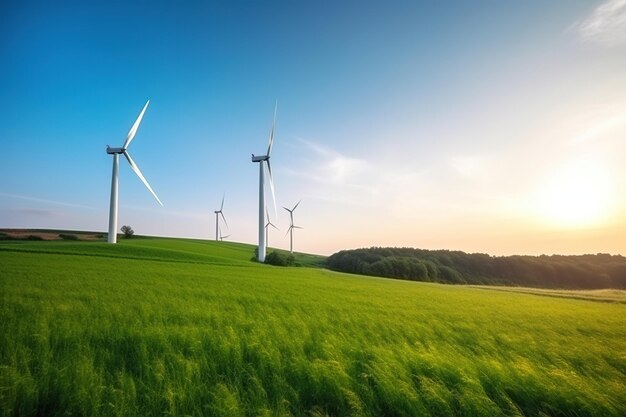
(491, 127)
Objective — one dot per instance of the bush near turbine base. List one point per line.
(278, 258)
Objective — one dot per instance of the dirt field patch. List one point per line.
(26, 234)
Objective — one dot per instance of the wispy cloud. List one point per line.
(45, 201)
(334, 167)
(468, 166)
(606, 24)
(601, 128)
(36, 212)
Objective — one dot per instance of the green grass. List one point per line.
(606, 295)
(183, 327)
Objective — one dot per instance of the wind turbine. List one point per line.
(112, 238)
(291, 226)
(261, 159)
(269, 223)
(217, 218)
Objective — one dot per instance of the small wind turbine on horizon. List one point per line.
(269, 223)
(112, 237)
(217, 218)
(291, 226)
(261, 159)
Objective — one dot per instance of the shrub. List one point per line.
(66, 236)
(279, 259)
(128, 231)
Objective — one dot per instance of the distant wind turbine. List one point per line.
(291, 226)
(217, 218)
(261, 159)
(269, 223)
(112, 238)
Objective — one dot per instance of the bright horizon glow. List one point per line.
(578, 194)
(492, 127)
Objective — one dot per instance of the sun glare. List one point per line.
(577, 194)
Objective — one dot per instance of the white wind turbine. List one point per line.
(217, 218)
(267, 225)
(291, 226)
(261, 159)
(112, 238)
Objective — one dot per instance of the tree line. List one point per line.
(456, 267)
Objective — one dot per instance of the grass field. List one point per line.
(608, 295)
(182, 327)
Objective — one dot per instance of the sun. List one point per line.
(576, 194)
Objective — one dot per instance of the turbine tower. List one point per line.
(112, 238)
(269, 223)
(217, 218)
(291, 226)
(265, 160)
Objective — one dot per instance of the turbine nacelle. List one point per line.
(113, 151)
(260, 158)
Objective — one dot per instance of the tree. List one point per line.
(455, 267)
(128, 231)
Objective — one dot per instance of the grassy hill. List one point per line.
(184, 327)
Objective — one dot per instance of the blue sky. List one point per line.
(459, 125)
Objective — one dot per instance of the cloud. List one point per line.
(41, 200)
(601, 128)
(606, 25)
(36, 212)
(468, 166)
(333, 167)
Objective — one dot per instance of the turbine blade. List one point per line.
(225, 222)
(274, 226)
(287, 209)
(135, 168)
(288, 230)
(271, 142)
(294, 207)
(222, 206)
(133, 130)
(269, 170)
(297, 227)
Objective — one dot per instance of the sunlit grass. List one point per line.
(177, 327)
(607, 295)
